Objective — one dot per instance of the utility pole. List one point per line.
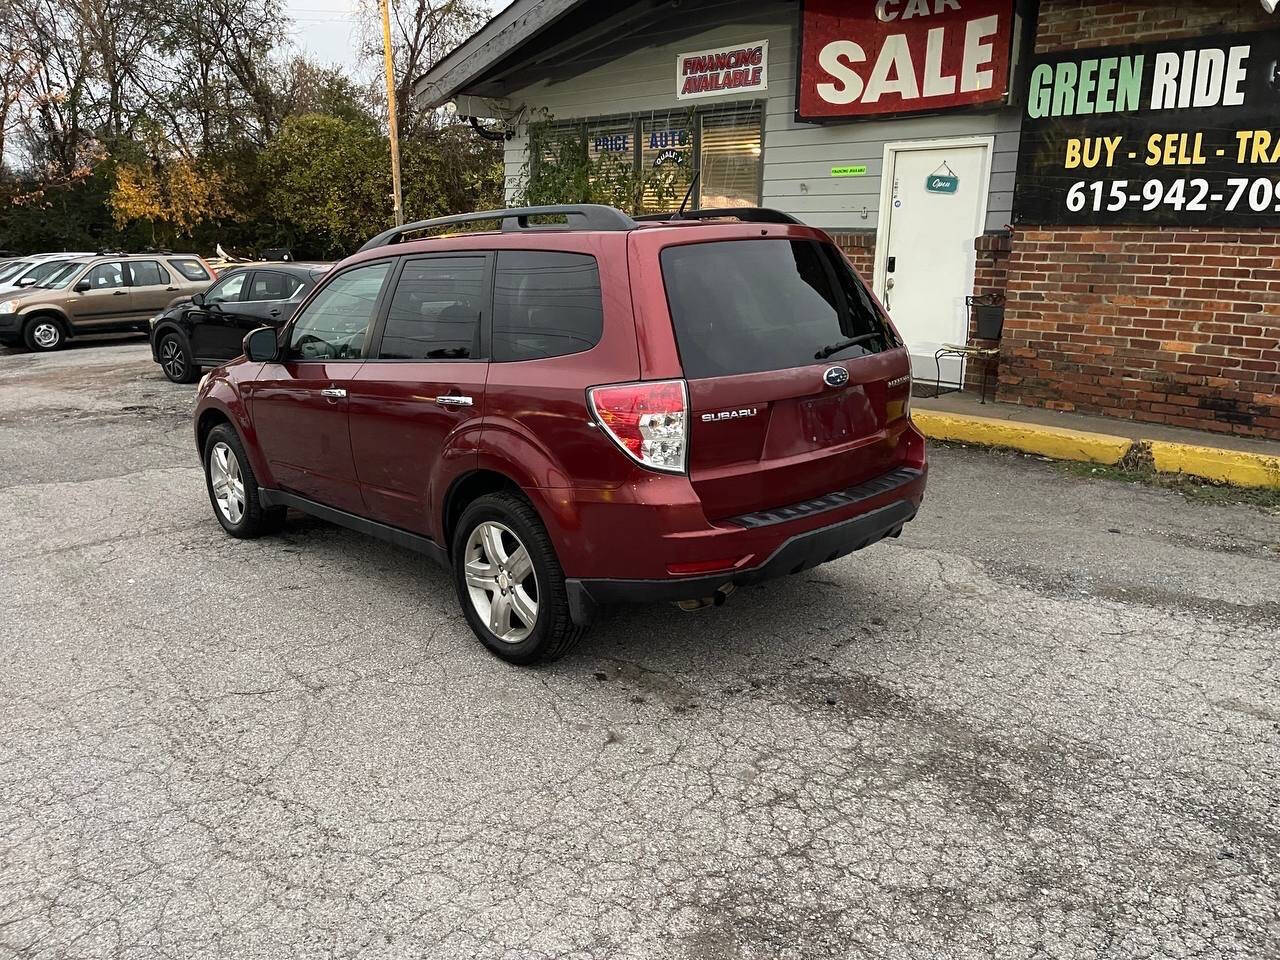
(392, 125)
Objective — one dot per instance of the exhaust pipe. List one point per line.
(717, 599)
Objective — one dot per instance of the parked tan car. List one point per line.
(99, 295)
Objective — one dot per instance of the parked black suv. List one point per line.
(209, 328)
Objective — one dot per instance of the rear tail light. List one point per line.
(649, 421)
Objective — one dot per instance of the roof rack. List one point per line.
(745, 214)
(582, 216)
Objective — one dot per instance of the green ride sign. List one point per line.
(852, 171)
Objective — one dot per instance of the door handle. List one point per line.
(453, 400)
(275, 312)
(170, 289)
(333, 393)
(120, 293)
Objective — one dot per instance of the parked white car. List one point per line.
(22, 272)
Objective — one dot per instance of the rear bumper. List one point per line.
(801, 552)
(881, 514)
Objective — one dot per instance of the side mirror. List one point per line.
(261, 345)
(82, 287)
(26, 282)
(198, 299)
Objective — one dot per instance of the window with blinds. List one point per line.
(666, 160)
(730, 159)
(611, 150)
(645, 164)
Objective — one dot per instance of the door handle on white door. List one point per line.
(453, 400)
(334, 393)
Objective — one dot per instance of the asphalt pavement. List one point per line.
(1045, 723)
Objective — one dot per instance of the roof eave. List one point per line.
(498, 39)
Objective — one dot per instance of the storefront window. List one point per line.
(730, 160)
(646, 164)
(611, 149)
(666, 161)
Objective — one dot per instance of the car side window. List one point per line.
(435, 311)
(227, 290)
(333, 325)
(545, 304)
(11, 269)
(268, 285)
(191, 269)
(147, 273)
(105, 276)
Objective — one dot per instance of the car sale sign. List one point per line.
(871, 58)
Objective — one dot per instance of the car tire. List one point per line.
(499, 598)
(233, 488)
(44, 333)
(175, 359)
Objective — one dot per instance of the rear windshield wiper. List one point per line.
(843, 345)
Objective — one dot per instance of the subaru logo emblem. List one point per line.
(835, 377)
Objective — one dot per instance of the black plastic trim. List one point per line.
(744, 214)
(401, 538)
(832, 501)
(582, 216)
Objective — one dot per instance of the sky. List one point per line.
(328, 30)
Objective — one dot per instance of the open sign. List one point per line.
(902, 56)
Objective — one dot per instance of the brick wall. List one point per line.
(1165, 325)
(860, 248)
(1073, 24)
(991, 269)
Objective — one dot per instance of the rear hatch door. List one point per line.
(798, 384)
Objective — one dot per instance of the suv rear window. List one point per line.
(191, 269)
(745, 306)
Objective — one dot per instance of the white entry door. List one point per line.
(934, 205)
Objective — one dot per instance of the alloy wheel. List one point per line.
(175, 365)
(46, 334)
(227, 483)
(501, 581)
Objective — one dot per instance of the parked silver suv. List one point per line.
(98, 295)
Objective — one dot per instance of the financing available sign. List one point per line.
(873, 58)
(739, 69)
(1179, 132)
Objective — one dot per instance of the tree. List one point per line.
(422, 32)
(331, 178)
(128, 122)
(306, 87)
(450, 171)
(174, 195)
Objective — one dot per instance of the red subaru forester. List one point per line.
(577, 409)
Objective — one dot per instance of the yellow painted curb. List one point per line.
(1213, 463)
(1058, 443)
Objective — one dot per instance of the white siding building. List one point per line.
(609, 73)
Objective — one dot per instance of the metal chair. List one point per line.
(988, 312)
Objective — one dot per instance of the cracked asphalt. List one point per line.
(1045, 723)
